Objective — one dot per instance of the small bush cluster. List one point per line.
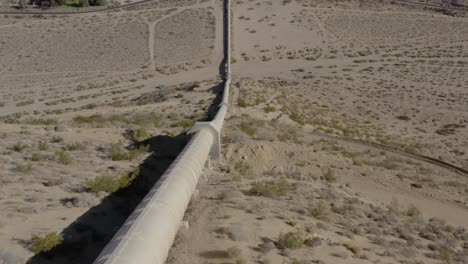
(43, 145)
(19, 147)
(242, 103)
(412, 211)
(291, 240)
(63, 157)
(110, 184)
(45, 243)
(144, 119)
(271, 188)
(116, 153)
(137, 135)
(298, 118)
(186, 124)
(319, 212)
(42, 122)
(36, 157)
(74, 146)
(24, 103)
(269, 109)
(248, 128)
(242, 166)
(23, 168)
(56, 139)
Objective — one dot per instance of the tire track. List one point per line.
(465, 9)
(423, 158)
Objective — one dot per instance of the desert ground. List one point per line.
(335, 106)
(87, 104)
(346, 142)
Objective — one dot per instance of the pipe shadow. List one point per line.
(86, 237)
(214, 106)
(222, 66)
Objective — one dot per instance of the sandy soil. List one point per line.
(78, 91)
(387, 74)
(333, 105)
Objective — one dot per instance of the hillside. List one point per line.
(335, 106)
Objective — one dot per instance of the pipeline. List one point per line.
(149, 232)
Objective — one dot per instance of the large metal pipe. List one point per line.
(148, 234)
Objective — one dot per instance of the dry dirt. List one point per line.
(93, 96)
(334, 103)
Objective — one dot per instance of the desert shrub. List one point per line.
(63, 157)
(24, 103)
(413, 211)
(269, 109)
(185, 123)
(103, 183)
(329, 175)
(37, 157)
(139, 134)
(242, 166)
(23, 168)
(403, 117)
(19, 147)
(138, 152)
(45, 243)
(358, 162)
(42, 122)
(271, 188)
(110, 184)
(291, 240)
(140, 119)
(89, 119)
(74, 146)
(292, 222)
(116, 153)
(248, 128)
(296, 117)
(43, 145)
(445, 254)
(242, 103)
(290, 135)
(56, 139)
(319, 212)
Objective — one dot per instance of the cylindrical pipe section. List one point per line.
(148, 234)
(227, 84)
